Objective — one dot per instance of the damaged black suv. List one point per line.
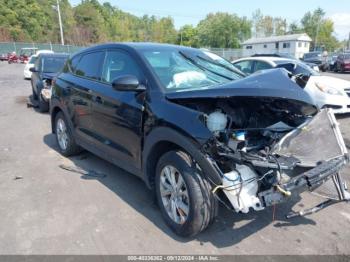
(195, 129)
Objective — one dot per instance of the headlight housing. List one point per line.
(329, 90)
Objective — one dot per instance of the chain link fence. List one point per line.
(8, 47)
(228, 53)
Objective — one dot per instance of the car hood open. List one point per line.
(272, 84)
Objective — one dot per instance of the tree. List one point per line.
(221, 30)
(187, 36)
(294, 28)
(311, 23)
(280, 26)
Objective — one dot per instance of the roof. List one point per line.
(53, 55)
(263, 58)
(281, 38)
(135, 46)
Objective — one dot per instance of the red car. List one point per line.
(343, 63)
(13, 58)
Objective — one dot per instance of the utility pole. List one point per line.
(60, 22)
(349, 42)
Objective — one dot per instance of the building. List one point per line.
(294, 45)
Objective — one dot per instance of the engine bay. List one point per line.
(248, 134)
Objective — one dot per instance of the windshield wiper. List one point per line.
(221, 65)
(203, 67)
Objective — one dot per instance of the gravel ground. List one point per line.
(47, 210)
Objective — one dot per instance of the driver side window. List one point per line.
(245, 66)
(119, 63)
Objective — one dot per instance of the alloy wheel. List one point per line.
(174, 194)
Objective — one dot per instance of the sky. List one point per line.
(191, 12)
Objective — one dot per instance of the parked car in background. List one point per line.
(26, 72)
(318, 58)
(46, 68)
(326, 91)
(13, 58)
(25, 53)
(332, 62)
(312, 65)
(343, 63)
(195, 129)
(4, 57)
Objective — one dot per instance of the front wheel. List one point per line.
(184, 196)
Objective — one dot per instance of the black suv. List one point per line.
(194, 129)
(45, 69)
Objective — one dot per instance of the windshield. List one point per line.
(296, 67)
(179, 70)
(32, 60)
(312, 55)
(53, 64)
(347, 56)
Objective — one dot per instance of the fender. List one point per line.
(188, 144)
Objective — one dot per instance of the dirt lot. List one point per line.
(47, 210)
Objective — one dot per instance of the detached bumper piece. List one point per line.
(320, 147)
(311, 180)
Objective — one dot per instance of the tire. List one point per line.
(71, 147)
(43, 105)
(201, 205)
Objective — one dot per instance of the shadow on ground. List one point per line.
(224, 232)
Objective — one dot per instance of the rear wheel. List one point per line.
(65, 140)
(184, 196)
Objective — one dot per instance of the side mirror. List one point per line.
(32, 69)
(127, 83)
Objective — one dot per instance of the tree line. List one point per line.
(92, 22)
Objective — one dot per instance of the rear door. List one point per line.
(117, 115)
(81, 84)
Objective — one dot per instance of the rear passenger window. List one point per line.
(90, 65)
(119, 63)
(260, 65)
(72, 63)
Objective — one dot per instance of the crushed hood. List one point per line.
(271, 84)
(268, 83)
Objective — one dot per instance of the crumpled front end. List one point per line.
(268, 141)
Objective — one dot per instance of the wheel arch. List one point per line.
(164, 139)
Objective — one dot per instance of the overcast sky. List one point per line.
(192, 11)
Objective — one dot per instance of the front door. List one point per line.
(117, 115)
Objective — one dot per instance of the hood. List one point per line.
(274, 83)
(48, 75)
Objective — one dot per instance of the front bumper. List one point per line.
(46, 94)
(27, 74)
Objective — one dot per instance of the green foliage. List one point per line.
(222, 30)
(187, 36)
(320, 29)
(92, 22)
